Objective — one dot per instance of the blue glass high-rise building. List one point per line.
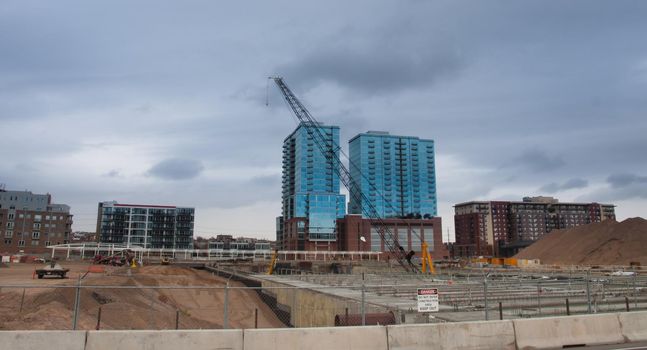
(311, 199)
(396, 173)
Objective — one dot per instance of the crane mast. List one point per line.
(330, 153)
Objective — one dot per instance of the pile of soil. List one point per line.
(135, 308)
(604, 243)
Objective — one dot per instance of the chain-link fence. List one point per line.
(310, 301)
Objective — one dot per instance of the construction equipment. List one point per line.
(270, 269)
(330, 152)
(52, 269)
(427, 261)
(122, 258)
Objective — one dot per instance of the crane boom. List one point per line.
(328, 151)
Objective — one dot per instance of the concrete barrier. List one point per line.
(634, 325)
(557, 332)
(464, 335)
(166, 340)
(50, 340)
(325, 338)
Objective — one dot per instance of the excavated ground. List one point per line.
(134, 308)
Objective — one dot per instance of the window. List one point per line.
(8, 234)
(11, 216)
(21, 215)
(10, 225)
(35, 235)
(21, 243)
(47, 243)
(37, 226)
(7, 241)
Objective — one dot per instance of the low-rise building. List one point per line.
(30, 222)
(148, 226)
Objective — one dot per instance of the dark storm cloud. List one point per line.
(176, 169)
(568, 185)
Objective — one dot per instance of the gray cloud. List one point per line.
(176, 169)
(568, 185)
(536, 160)
(625, 180)
(516, 94)
(113, 173)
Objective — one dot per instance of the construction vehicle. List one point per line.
(52, 269)
(395, 250)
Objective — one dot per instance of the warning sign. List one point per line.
(427, 299)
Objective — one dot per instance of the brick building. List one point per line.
(30, 222)
(502, 228)
(409, 233)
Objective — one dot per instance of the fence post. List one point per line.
(627, 303)
(588, 291)
(177, 319)
(568, 308)
(22, 300)
(256, 318)
(346, 313)
(225, 323)
(635, 292)
(487, 316)
(500, 311)
(98, 319)
(538, 298)
(363, 306)
(77, 301)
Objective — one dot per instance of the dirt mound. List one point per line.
(131, 307)
(604, 243)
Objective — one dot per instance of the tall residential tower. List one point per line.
(396, 173)
(311, 199)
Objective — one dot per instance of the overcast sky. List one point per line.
(164, 102)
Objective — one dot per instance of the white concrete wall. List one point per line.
(46, 340)
(464, 335)
(539, 333)
(323, 338)
(556, 332)
(230, 339)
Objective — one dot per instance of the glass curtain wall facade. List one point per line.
(148, 226)
(396, 173)
(311, 185)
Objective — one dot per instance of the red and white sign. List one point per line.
(427, 299)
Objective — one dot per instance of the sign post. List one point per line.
(427, 299)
